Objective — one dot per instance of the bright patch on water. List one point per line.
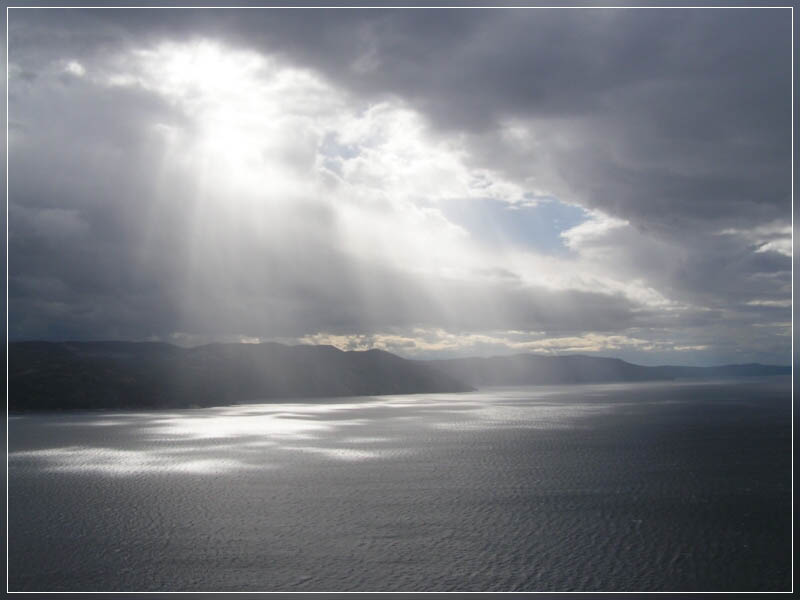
(634, 487)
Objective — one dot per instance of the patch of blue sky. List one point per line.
(334, 152)
(538, 226)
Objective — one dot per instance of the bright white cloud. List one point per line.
(263, 136)
(777, 303)
(772, 237)
(75, 68)
(438, 342)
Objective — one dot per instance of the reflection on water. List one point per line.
(112, 461)
(255, 436)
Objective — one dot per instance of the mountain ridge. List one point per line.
(531, 369)
(117, 374)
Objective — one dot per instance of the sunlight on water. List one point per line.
(541, 416)
(211, 426)
(258, 436)
(112, 461)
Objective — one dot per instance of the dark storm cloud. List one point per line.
(682, 117)
(677, 121)
(680, 114)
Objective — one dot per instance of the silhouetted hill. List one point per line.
(527, 369)
(45, 375)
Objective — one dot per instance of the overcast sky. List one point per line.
(430, 182)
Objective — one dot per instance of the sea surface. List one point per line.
(676, 486)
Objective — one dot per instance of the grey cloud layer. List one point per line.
(677, 121)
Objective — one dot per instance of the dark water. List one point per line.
(635, 487)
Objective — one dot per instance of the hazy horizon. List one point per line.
(433, 183)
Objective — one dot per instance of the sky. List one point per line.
(431, 182)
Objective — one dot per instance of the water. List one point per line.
(635, 487)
